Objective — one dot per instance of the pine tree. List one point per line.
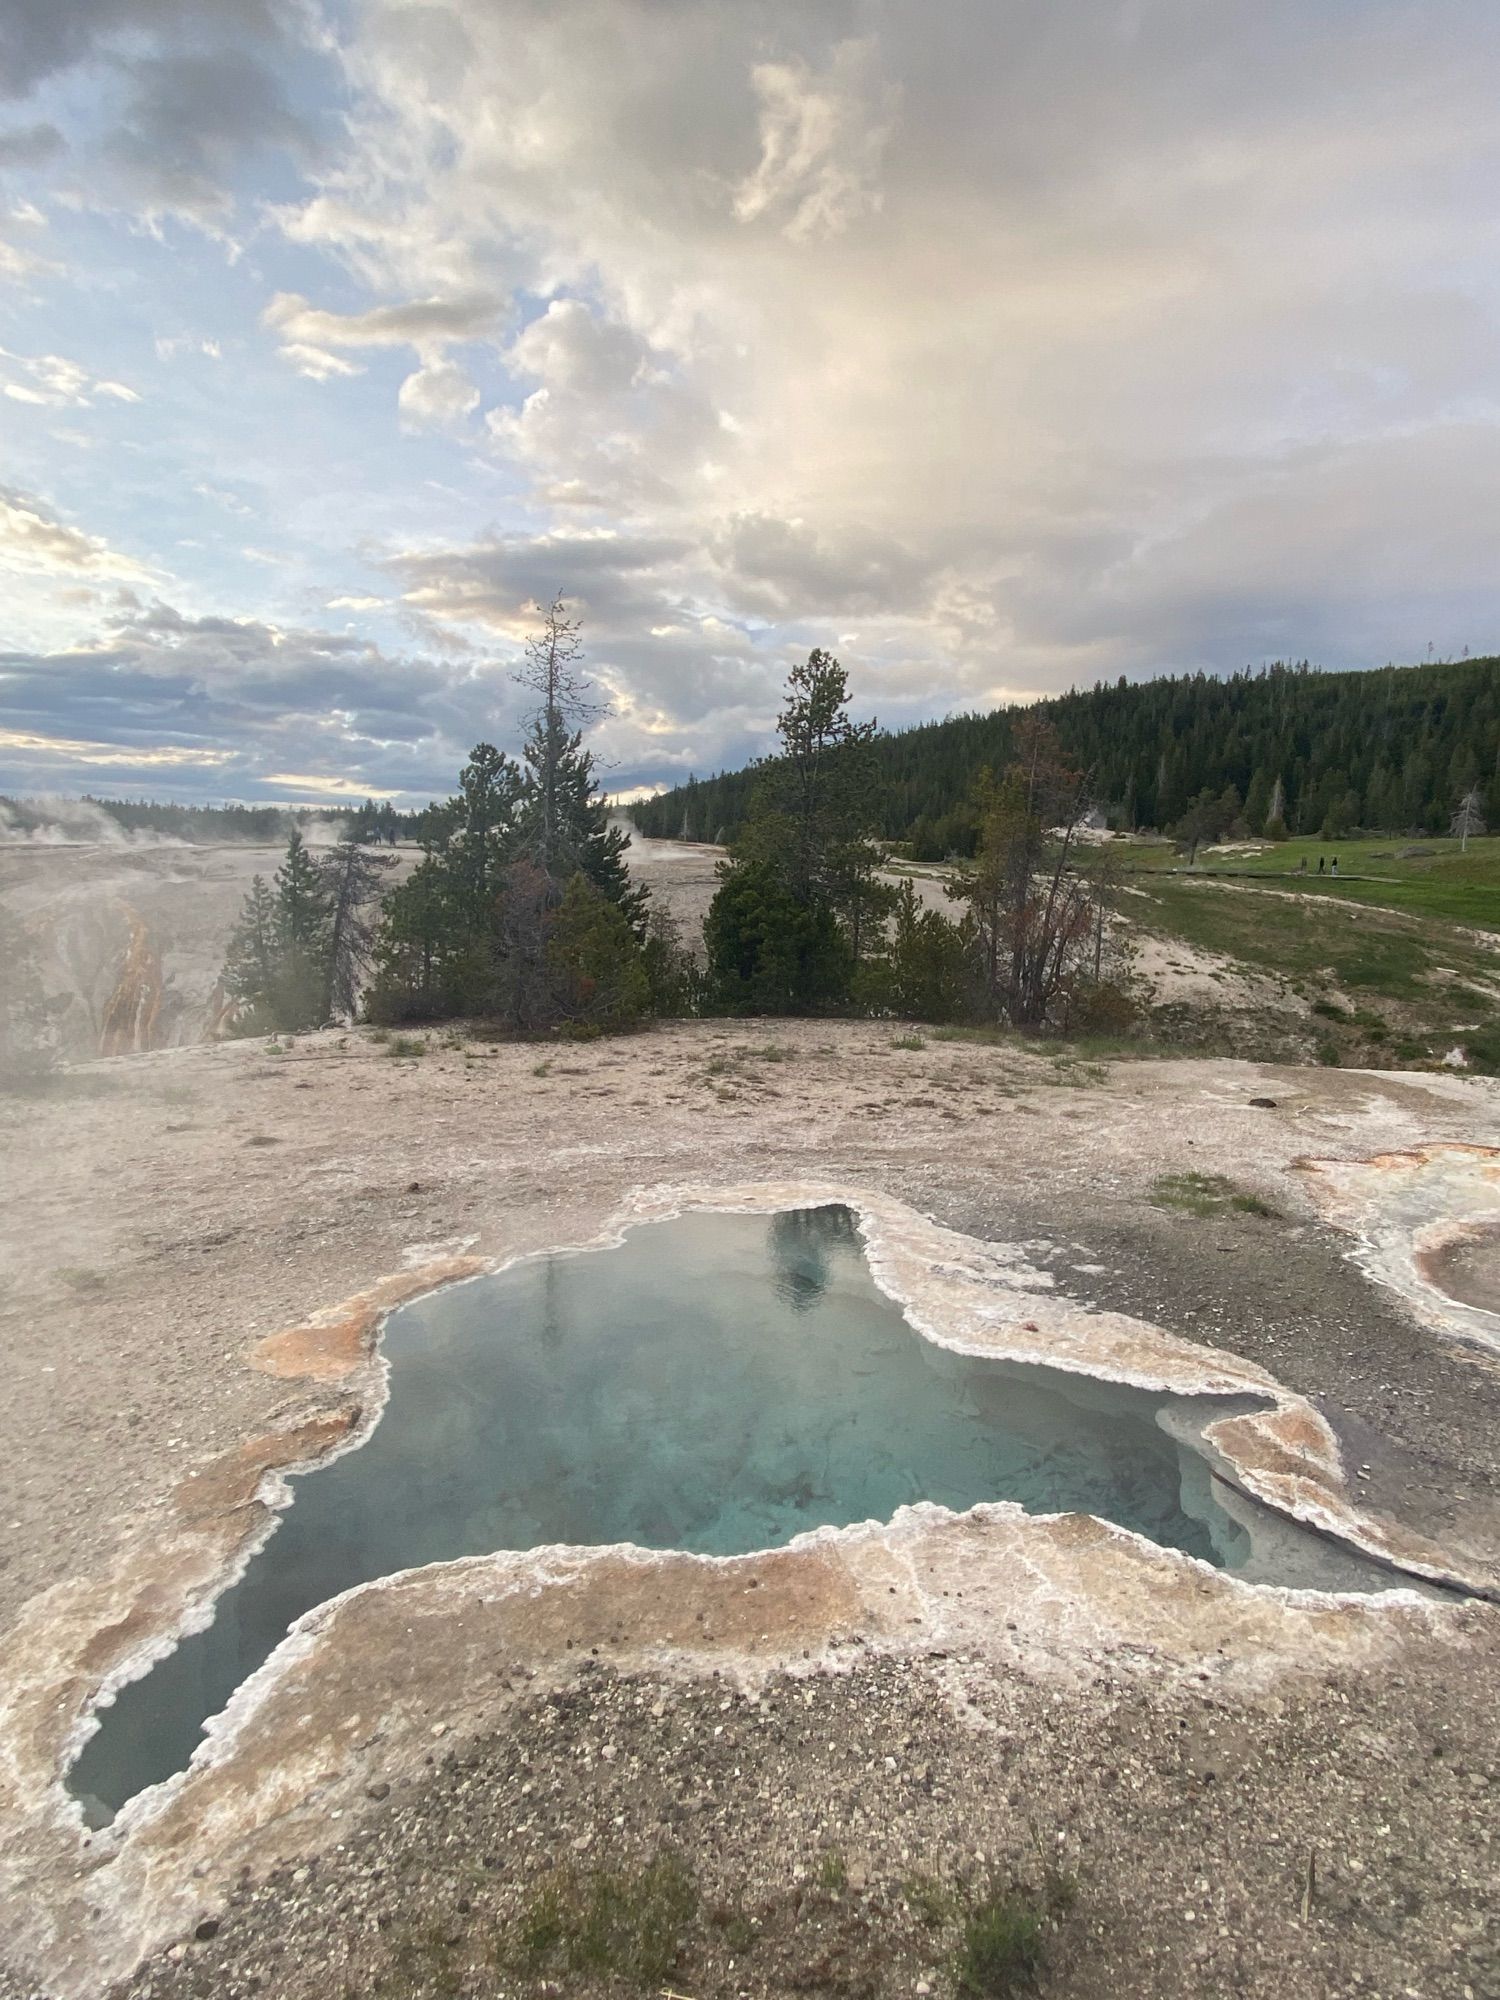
(769, 952)
(1162, 742)
(477, 834)
(564, 824)
(352, 882)
(672, 976)
(813, 813)
(927, 968)
(595, 960)
(413, 950)
(253, 956)
(301, 898)
(1258, 802)
(801, 886)
(300, 988)
(524, 980)
(1032, 910)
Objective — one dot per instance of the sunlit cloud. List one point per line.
(33, 538)
(1000, 348)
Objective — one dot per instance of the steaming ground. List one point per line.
(168, 1209)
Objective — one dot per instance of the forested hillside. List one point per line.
(1390, 750)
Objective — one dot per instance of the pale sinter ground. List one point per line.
(175, 1207)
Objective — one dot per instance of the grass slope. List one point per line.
(1391, 988)
(1427, 878)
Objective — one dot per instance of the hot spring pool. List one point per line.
(717, 1383)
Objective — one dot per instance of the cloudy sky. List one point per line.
(998, 345)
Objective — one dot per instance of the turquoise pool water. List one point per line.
(716, 1383)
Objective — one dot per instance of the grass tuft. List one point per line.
(1004, 1937)
(833, 1871)
(1207, 1195)
(631, 1926)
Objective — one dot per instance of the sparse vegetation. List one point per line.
(931, 1901)
(1207, 1195)
(1414, 984)
(1004, 1936)
(79, 1278)
(833, 1871)
(652, 1925)
(629, 1924)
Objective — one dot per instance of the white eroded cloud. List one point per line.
(52, 381)
(821, 140)
(438, 395)
(34, 539)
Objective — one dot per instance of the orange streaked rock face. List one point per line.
(333, 1343)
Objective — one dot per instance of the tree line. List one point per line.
(1285, 749)
(522, 910)
(254, 826)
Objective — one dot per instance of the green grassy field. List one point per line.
(1398, 959)
(1387, 987)
(1440, 881)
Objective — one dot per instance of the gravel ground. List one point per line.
(175, 1207)
(815, 1819)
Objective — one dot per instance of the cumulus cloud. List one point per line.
(438, 395)
(998, 346)
(190, 121)
(611, 422)
(39, 39)
(35, 540)
(821, 140)
(957, 331)
(245, 698)
(428, 325)
(192, 91)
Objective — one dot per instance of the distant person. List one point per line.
(1302, 866)
(1320, 864)
(1335, 868)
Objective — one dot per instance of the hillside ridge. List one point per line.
(1388, 749)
